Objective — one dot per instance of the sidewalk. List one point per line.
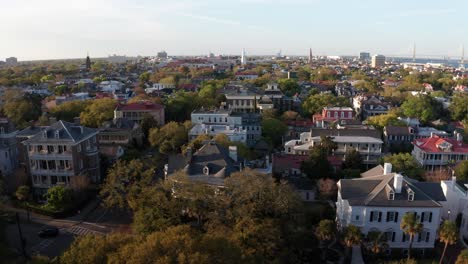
(357, 255)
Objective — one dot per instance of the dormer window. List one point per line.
(57, 134)
(2, 130)
(206, 170)
(410, 195)
(391, 195)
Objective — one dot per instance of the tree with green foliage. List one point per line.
(317, 165)
(327, 143)
(411, 226)
(376, 242)
(124, 183)
(69, 110)
(99, 111)
(59, 197)
(22, 193)
(60, 89)
(381, 121)
(288, 86)
(462, 257)
(459, 107)
(405, 164)
(352, 236)
(326, 230)
(20, 108)
(144, 77)
(423, 107)
(448, 234)
(273, 130)
(243, 150)
(170, 137)
(316, 102)
(353, 160)
(461, 171)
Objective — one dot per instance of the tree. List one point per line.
(99, 111)
(21, 108)
(463, 257)
(377, 242)
(381, 121)
(22, 193)
(288, 86)
(353, 160)
(124, 183)
(69, 110)
(144, 77)
(459, 107)
(328, 144)
(448, 234)
(317, 165)
(352, 236)
(147, 124)
(273, 130)
(461, 171)
(316, 102)
(423, 107)
(58, 197)
(410, 226)
(289, 115)
(326, 230)
(405, 164)
(169, 138)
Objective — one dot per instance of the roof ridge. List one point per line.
(379, 188)
(415, 187)
(66, 129)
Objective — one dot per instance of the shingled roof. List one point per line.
(373, 191)
(67, 132)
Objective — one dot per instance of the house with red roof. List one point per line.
(436, 152)
(332, 114)
(138, 111)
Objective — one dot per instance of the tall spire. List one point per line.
(414, 52)
(88, 61)
(243, 58)
(462, 60)
(310, 56)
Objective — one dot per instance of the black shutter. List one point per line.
(427, 236)
(393, 236)
(396, 217)
(420, 237)
(380, 216)
(422, 217)
(371, 216)
(430, 217)
(388, 216)
(403, 238)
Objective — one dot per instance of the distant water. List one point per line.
(452, 63)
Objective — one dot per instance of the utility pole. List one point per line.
(22, 239)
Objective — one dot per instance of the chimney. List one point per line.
(76, 120)
(397, 182)
(432, 134)
(387, 168)
(459, 138)
(233, 153)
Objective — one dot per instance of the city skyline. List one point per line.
(55, 29)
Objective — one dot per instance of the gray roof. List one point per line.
(373, 191)
(120, 123)
(376, 171)
(67, 132)
(317, 132)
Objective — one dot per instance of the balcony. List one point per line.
(52, 172)
(46, 155)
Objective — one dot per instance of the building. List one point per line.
(138, 111)
(435, 152)
(246, 75)
(364, 56)
(345, 89)
(241, 100)
(239, 127)
(378, 61)
(211, 164)
(456, 205)
(243, 58)
(366, 142)
(366, 107)
(88, 63)
(162, 55)
(11, 61)
(378, 202)
(404, 135)
(333, 114)
(8, 148)
(60, 153)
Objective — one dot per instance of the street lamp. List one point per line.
(448, 212)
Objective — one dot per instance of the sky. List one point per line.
(56, 29)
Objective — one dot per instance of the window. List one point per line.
(336, 114)
(410, 195)
(375, 216)
(426, 217)
(392, 216)
(328, 114)
(57, 134)
(404, 237)
(350, 115)
(356, 218)
(391, 195)
(424, 236)
(206, 170)
(78, 148)
(342, 114)
(390, 236)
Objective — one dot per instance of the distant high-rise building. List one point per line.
(462, 60)
(88, 62)
(364, 56)
(12, 61)
(162, 55)
(378, 61)
(243, 58)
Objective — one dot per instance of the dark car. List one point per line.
(48, 232)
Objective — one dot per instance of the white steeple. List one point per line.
(243, 58)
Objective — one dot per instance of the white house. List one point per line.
(379, 200)
(457, 203)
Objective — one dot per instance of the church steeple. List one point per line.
(88, 62)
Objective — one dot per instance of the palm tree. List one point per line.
(352, 236)
(377, 242)
(325, 231)
(463, 257)
(409, 224)
(448, 234)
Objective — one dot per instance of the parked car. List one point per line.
(48, 232)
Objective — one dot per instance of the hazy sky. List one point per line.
(49, 29)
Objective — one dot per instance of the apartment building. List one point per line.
(378, 202)
(8, 147)
(59, 153)
(138, 111)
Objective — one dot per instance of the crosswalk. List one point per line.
(42, 246)
(81, 231)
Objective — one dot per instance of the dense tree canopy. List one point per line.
(459, 107)
(405, 164)
(316, 102)
(69, 110)
(423, 107)
(21, 108)
(273, 130)
(99, 111)
(170, 137)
